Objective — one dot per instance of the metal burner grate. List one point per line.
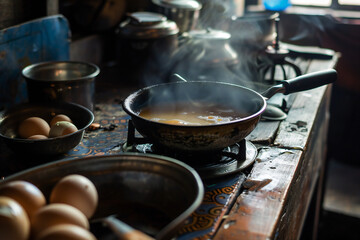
(229, 160)
(275, 57)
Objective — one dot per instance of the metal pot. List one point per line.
(205, 55)
(184, 12)
(151, 193)
(58, 81)
(252, 32)
(212, 137)
(146, 42)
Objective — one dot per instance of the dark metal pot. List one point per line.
(184, 12)
(145, 43)
(216, 136)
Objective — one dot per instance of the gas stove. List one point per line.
(275, 57)
(230, 160)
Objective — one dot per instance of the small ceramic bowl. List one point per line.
(11, 119)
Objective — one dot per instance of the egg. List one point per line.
(62, 128)
(78, 191)
(14, 222)
(33, 126)
(65, 232)
(55, 214)
(38, 136)
(26, 194)
(58, 118)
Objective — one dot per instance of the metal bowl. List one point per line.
(68, 81)
(11, 119)
(151, 193)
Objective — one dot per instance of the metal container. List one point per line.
(151, 193)
(205, 55)
(12, 117)
(184, 12)
(252, 32)
(146, 42)
(58, 81)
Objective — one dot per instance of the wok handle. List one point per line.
(309, 81)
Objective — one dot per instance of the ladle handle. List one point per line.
(310, 81)
(122, 230)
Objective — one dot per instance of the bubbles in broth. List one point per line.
(194, 114)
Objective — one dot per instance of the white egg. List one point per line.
(62, 128)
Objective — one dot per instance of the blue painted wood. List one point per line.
(42, 39)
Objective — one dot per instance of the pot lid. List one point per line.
(187, 4)
(209, 34)
(147, 25)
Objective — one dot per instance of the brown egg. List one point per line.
(65, 232)
(78, 191)
(33, 126)
(34, 137)
(55, 214)
(62, 128)
(26, 194)
(14, 223)
(58, 118)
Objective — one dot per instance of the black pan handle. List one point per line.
(310, 81)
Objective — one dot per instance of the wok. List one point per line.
(199, 138)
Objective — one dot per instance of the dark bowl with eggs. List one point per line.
(11, 118)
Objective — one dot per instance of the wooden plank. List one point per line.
(294, 131)
(283, 179)
(264, 132)
(277, 191)
(259, 206)
(52, 7)
(309, 175)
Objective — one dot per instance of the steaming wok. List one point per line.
(212, 137)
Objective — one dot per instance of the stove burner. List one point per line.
(229, 160)
(275, 56)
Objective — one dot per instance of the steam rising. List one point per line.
(237, 60)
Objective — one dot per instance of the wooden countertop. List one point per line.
(268, 201)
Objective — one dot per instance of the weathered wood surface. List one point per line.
(279, 188)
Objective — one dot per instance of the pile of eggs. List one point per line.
(25, 213)
(38, 128)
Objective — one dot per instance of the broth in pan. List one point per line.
(195, 114)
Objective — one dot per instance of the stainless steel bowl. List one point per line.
(11, 119)
(68, 81)
(151, 193)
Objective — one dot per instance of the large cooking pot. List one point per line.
(145, 43)
(212, 137)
